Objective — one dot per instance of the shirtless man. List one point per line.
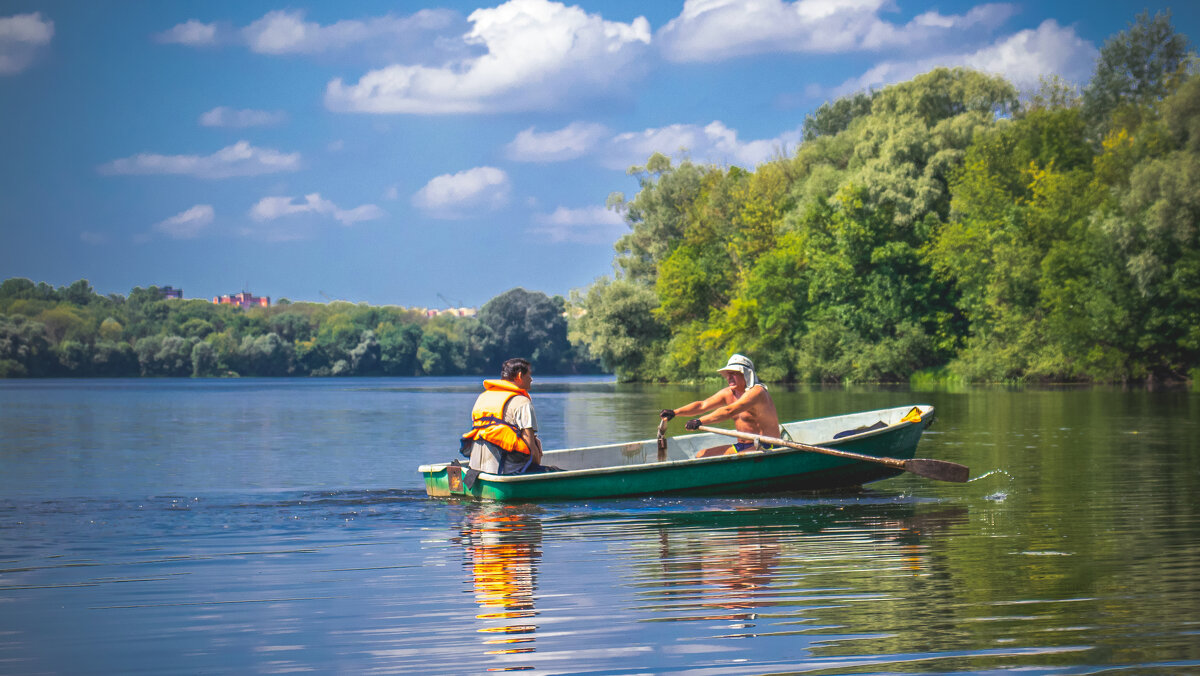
(745, 400)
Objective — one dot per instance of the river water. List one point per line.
(280, 526)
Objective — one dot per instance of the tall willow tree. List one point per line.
(1022, 254)
(1153, 222)
(811, 263)
(874, 310)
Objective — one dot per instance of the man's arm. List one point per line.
(744, 403)
(534, 444)
(519, 412)
(698, 407)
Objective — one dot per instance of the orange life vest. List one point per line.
(488, 424)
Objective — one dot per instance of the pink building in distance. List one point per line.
(243, 299)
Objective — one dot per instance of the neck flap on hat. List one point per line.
(751, 378)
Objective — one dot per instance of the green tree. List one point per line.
(1034, 279)
(78, 293)
(204, 360)
(398, 348)
(17, 288)
(527, 324)
(291, 326)
(436, 354)
(74, 358)
(832, 118)
(312, 359)
(24, 351)
(114, 360)
(110, 330)
(265, 355)
(61, 321)
(365, 357)
(338, 335)
(657, 215)
(164, 356)
(1137, 67)
(616, 323)
(1153, 224)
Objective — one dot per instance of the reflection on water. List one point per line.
(503, 545)
(728, 566)
(733, 572)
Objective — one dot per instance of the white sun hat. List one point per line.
(744, 366)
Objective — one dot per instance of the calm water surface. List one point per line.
(279, 526)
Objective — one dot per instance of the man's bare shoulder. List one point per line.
(756, 393)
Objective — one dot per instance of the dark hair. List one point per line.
(513, 368)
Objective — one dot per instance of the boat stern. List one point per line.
(441, 480)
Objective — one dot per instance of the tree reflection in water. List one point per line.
(502, 550)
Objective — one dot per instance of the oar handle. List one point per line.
(890, 462)
(662, 439)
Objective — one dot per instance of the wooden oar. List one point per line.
(930, 469)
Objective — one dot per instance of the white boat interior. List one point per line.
(818, 431)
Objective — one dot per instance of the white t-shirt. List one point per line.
(485, 456)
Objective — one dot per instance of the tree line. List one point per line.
(72, 331)
(944, 227)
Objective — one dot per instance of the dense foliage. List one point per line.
(943, 224)
(72, 331)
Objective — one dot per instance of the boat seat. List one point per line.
(859, 430)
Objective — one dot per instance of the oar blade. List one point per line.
(939, 470)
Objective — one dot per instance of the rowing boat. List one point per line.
(640, 468)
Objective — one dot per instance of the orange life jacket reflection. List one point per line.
(488, 424)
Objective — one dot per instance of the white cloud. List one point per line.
(568, 143)
(1023, 58)
(272, 208)
(21, 36)
(239, 159)
(223, 116)
(284, 32)
(538, 55)
(455, 195)
(932, 27)
(1031, 54)
(711, 30)
(590, 225)
(713, 142)
(187, 224)
(92, 237)
(192, 33)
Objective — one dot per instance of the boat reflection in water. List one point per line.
(502, 550)
(745, 565)
(738, 570)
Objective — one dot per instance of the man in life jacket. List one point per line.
(503, 437)
(745, 400)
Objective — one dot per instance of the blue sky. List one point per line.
(386, 153)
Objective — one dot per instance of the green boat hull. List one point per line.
(680, 474)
